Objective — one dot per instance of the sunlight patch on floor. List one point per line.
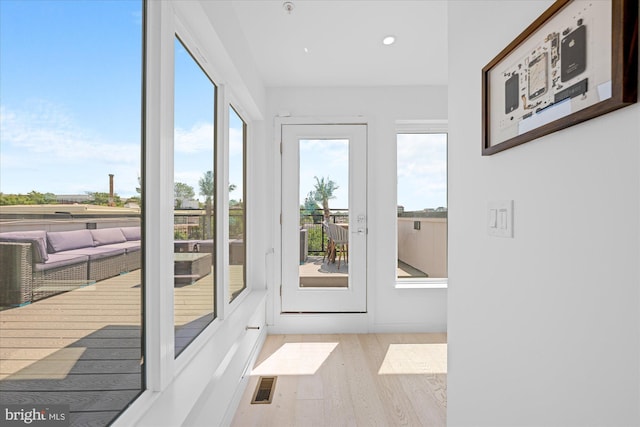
(414, 359)
(299, 358)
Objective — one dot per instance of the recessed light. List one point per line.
(389, 40)
(306, 50)
(288, 6)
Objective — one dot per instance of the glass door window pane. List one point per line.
(324, 212)
(194, 201)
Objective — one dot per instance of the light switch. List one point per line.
(502, 223)
(493, 218)
(500, 218)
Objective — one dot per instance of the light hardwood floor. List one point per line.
(350, 380)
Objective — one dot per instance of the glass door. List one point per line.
(324, 218)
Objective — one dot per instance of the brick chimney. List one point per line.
(111, 202)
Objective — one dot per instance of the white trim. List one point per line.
(191, 46)
(222, 376)
(230, 104)
(324, 299)
(315, 322)
(422, 126)
(222, 174)
(204, 385)
(321, 323)
(158, 182)
(236, 399)
(422, 283)
(224, 347)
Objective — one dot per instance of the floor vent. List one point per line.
(264, 390)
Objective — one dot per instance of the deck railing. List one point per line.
(422, 237)
(311, 221)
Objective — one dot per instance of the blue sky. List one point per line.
(70, 101)
(422, 171)
(328, 159)
(70, 96)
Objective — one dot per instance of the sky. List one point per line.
(70, 112)
(422, 170)
(70, 101)
(194, 95)
(328, 159)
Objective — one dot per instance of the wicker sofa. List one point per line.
(38, 264)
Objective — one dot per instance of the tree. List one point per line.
(31, 198)
(14, 199)
(207, 187)
(182, 191)
(50, 198)
(310, 205)
(323, 192)
(102, 199)
(36, 198)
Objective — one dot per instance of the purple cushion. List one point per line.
(66, 240)
(97, 252)
(36, 238)
(107, 236)
(131, 233)
(61, 260)
(127, 246)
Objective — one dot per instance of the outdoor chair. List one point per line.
(339, 237)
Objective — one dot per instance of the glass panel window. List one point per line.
(71, 218)
(237, 213)
(323, 181)
(422, 206)
(194, 202)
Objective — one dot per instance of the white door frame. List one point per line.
(349, 299)
(278, 321)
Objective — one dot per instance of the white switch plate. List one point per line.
(500, 218)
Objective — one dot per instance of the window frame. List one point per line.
(182, 37)
(420, 127)
(189, 374)
(231, 104)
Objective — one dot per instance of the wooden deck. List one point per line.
(316, 272)
(83, 347)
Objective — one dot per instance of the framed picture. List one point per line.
(578, 60)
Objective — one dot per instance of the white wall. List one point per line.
(389, 309)
(544, 328)
(426, 247)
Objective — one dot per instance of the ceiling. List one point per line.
(343, 41)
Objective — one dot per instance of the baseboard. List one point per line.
(403, 328)
(216, 405)
(242, 384)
